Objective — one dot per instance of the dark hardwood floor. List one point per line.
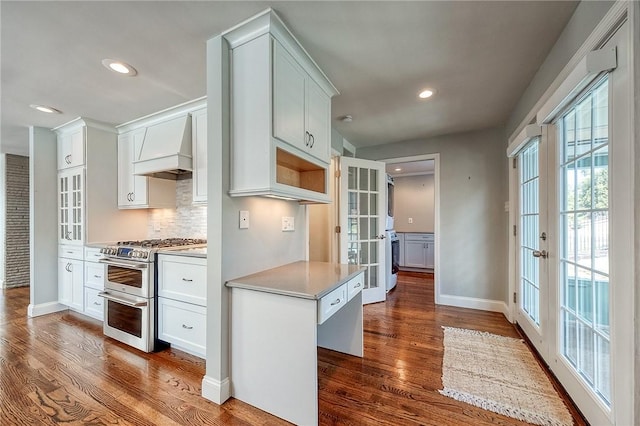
(60, 369)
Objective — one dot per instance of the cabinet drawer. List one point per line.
(354, 286)
(71, 252)
(92, 254)
(331, 303)
(94, 275)
(183, 325)
(183, 278)
(93, 304)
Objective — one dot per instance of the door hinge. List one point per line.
(338, 229)
(515, 162)
(515, 297)
(515, 232)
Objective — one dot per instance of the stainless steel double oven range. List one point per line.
(130, 290)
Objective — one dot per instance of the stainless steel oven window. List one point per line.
(125, 276)
(124, 318)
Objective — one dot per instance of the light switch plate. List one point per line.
(410, 220)
(288, 223)
(244, 219)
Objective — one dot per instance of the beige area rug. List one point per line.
(499, 374)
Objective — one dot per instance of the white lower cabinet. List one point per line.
(93, 283)
(183, 325)
(70, 283)
(93, 304)
(418, 250)
(182, 302)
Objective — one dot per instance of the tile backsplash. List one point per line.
(185, 221)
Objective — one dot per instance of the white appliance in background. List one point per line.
(392, 247)
(389, 222)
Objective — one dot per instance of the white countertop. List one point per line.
(307, 280)
(185, 251)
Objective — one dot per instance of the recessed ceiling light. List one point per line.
(398, 169)
(119, 67)
(44, 108)
(426, 93)
(346, 119)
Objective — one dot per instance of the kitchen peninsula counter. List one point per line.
(308, 280)
(278, 319)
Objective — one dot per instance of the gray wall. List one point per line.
(580, 26)
(43, 220)
(413, 198)
(16, 224)
(473, 223)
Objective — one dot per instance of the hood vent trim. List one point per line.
(166, 150)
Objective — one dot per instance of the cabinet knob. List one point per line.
(312, 140)
(336, 302)
(186, 327)
(307, 138)
(187, 280)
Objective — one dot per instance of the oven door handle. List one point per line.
(109, 296)
(138, 266)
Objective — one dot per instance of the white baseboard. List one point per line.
(45, 308)
(474, 303)
(216, 390)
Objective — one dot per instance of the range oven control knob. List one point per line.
(145, 255)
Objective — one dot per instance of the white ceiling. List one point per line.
(479, 56)
(411, 168)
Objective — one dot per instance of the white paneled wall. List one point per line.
(185, 221)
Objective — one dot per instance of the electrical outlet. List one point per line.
(410, 220)
(288, 223)
(156, 227)
(244, 219)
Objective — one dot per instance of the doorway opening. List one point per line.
(416, 213)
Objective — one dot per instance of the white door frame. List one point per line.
(436, 206)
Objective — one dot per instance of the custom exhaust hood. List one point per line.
(166, 150)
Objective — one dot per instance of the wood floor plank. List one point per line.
(60, 368)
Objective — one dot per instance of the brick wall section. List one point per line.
(185, 221)
(17, 221)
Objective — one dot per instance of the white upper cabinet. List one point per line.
(280, 114)
(318, 119)
(71, 206)
(288, 99)
(132, 189)
(71, 148)
(301, 109)
(140, 192)
(199, 135)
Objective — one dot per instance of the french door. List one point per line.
(575, 245)
(363, 199)
(532, 300)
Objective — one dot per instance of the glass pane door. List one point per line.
(362, 217)
(584, 240)
(533, 290)
(530, 231)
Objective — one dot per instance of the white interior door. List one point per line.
(532, 289)
(363, 199)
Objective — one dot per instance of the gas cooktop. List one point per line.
(161, 243)
(144, 249)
